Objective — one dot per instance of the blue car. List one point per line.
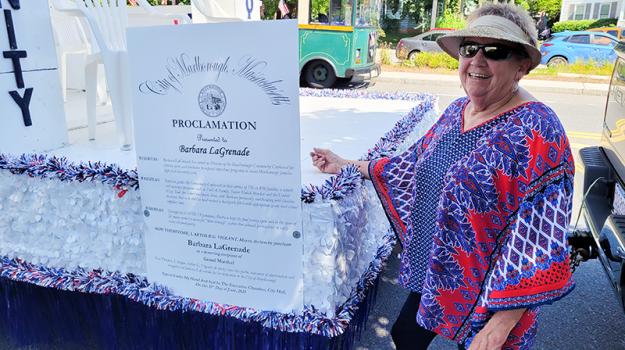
(568, 47)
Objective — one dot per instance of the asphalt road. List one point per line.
(590, 317)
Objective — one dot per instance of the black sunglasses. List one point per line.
(495, 52)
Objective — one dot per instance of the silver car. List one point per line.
(408, 47)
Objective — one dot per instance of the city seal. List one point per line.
(212, 100)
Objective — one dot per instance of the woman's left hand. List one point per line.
(494, 335)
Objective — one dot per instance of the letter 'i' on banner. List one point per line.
(32, 117)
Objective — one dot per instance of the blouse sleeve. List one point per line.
(533, 266)
(393, 180)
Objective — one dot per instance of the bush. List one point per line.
(583, 24)
(432, 60)
(606, 22)
(381, 35)
(589, 67)
(385, 53)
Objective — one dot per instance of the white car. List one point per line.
(424, 42)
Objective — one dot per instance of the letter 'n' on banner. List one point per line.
(32, 117)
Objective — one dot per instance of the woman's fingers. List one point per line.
(325, 160)
(318, 161)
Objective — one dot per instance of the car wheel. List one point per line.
(319, 74)
(412, 55)
(557, 61)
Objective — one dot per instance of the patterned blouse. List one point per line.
(498, 201)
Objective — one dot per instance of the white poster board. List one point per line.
(218, 150)
(32, 118)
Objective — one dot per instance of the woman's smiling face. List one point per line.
(488, 81)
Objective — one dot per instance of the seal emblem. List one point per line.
(212, 100)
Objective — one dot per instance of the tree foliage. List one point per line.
(451, 19)
(319, 6)
(550, 7)
(416, 9)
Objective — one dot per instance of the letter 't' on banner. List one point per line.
(17, 67)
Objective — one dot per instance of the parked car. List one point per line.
(424, 42)
(568, 47)
(617, 32)
(603, 202)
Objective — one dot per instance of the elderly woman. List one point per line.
(482, 202)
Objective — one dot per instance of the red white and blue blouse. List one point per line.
(482, 216)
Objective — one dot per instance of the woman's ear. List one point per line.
(524, 68)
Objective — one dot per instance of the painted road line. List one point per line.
(584, 135)
(580, 145)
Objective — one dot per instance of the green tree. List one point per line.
(270, 7)
(450, 19)
(526, 4)
(319, 6)
(417, 10)
(551, 8)
(393, 5)
(453, 7)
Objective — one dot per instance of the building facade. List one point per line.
(592, 9)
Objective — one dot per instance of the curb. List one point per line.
(440, 80)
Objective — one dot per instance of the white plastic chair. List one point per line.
(72, 36)
(108, 20)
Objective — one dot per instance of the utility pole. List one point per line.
(434, 11)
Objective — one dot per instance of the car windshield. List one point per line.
(368, 13)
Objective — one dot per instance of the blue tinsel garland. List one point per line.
(138, 289)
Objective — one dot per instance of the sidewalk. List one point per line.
(443, 80)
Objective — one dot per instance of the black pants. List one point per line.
(406, 333)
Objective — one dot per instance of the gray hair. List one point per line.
(513, 13)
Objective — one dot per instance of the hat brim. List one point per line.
(451, 42)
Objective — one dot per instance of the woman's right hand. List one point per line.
(327, 161)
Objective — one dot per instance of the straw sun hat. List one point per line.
(492, 27)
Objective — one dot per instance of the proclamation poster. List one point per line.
(216, 122)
